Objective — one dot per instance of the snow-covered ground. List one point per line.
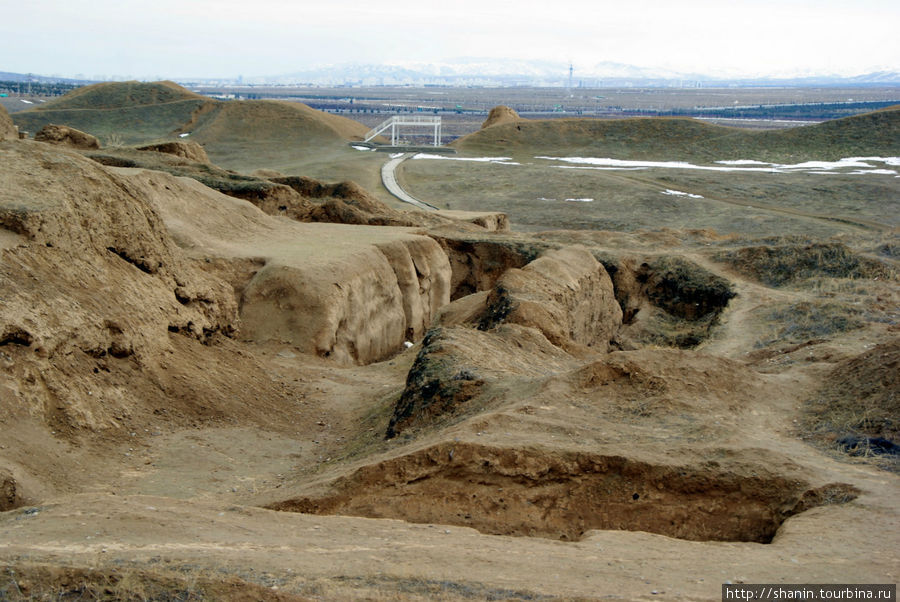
(859, 165)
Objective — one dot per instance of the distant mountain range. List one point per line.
(492, 72)
(506, 72)
(6, 76)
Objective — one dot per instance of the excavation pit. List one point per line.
(525, 492)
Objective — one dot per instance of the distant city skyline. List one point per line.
(227, 38)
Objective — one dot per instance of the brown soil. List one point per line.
(856, 408)
(61, 134)
(500, 115)
(539, 493)
(199, 398)
(186, 150)
(8, 130)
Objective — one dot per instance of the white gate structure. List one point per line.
(407, 120)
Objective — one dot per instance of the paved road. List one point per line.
(390, 182)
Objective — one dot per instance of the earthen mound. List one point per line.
(566, 294)
(478, 261)
(113, 286)
(186, 150)
(271, 198)
(455, 364)
(354, 302)
(345, 203)
(499, 115)
(267, 173)
(667, 300)
(9, 494)
(62, 134)
(780, 265)
(117, 95)
(8, 130)
(859, 402)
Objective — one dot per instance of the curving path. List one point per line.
(389, 180)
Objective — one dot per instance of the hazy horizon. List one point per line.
(225, 39)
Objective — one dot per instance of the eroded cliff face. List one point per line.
(351, 293)
(91, 283)
(355, 311)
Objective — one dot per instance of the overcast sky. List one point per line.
(226, 38)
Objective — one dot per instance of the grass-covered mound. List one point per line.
(236, 134)
(674, 139)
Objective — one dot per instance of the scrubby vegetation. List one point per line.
(787, 264)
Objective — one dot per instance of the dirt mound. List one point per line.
(9, 493)
(620, 138)
(267, 174)
(666, 300)
(116, 95)
(344, 203)
(272, 198)
(566, 294)
(241, 135)
(8, 130)
(786, 264)
(478, 262)
(499, 115)
(561, 495)
(858, 405)
(356, 302)
(61, 134)
(113, 286)
(187, 150)
(492, 221)
(254, 134)
(672, 139)
(455, 364)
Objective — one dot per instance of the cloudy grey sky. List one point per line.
(225, 38)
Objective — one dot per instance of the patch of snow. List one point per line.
(580, 200)
(498, 160)
(607, 163)
(884, 172)
(184, 135)
(827, 165)
(864, 165)
(744, 162)
(362, 148)
(671, 192)
(599, 168)
(28, 102)
(887, 160)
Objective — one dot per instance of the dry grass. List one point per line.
(856, 410)
(789, 264)
(674, 139)
(807, 320)
(27, 582)
(54, 583)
